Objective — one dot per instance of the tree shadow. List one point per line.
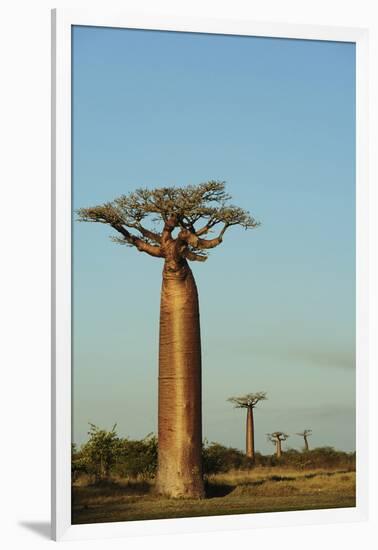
(217, 490)
(42, 528)
(282, 478)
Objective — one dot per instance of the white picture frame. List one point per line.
(62, 21)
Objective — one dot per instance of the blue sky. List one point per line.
(275, 118)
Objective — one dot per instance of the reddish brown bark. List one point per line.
(278, 448)
(250, 436)
(179, 418)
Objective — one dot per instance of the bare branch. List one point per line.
(229, 215)
(206, 228)
(141, 245)
(212, 243)
(193, 257)
(201, 244)
(148, 234)
(169, 225)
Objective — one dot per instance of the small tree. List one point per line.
(100, 451)
(78, 463)
(249, 402)
(305, 434)
(137, 458)
(276, 438)
(218, 458)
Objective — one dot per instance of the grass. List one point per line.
(235, 492)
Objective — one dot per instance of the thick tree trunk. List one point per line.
(278, 448)
(250, 436)
(306, 444)
(180, 423)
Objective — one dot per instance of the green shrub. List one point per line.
(218, 458)
(98, 454)
(137, 457)
(105, 455)
(320, 457)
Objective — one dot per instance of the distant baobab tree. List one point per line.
(276, 438)
(249, 402)
(170, 223)
(305, 434)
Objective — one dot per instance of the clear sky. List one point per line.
(275, 119)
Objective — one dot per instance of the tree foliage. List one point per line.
(219, 458)
(100, 452)
(132, 459)
(147, 218)
(277, 436)
(105, 454)
(137, 458)
(249, 400)
(305, 433)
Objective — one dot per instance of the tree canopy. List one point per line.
(249, 400)
(305, 433)
(100, 451)
(277, 436)
(147, 218)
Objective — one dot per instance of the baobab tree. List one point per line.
(305, 434)
(276, 438)
(249, 402)
(172, 224)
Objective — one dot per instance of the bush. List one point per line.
(98, 455)
(78, 464)
(105, 455)
(218, 458)
(137, 458)
(321, 457)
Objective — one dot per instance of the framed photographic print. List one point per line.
(209, 274)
